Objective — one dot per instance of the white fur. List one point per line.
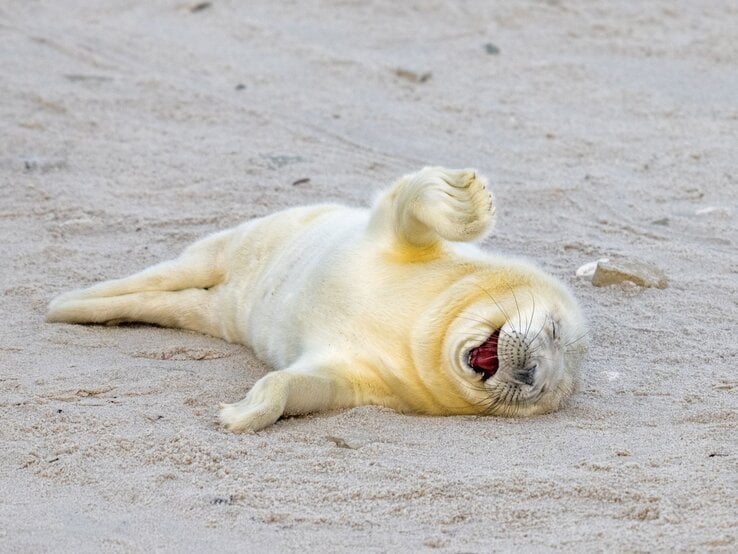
(358, 306)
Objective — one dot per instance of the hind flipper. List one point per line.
(172, 293)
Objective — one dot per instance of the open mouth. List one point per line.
(483, 358)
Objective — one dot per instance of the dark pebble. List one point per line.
(200, 7)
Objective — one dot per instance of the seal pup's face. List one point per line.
(519, 355)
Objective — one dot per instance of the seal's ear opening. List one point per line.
(483, 359)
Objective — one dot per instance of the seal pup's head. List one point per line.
(512, 344)
(523, 363)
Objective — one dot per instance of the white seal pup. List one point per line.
(384, 306)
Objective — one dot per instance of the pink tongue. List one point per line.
(484, 357)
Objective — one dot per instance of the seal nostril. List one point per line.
(528, 375)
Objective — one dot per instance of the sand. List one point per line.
(129, 129)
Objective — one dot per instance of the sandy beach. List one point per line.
(129, 129)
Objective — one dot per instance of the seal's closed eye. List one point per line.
(483, 359)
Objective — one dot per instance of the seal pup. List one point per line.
(391, 305)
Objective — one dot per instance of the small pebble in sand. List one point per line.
(341, 443)
(614, 271)
(413, 76)
(44, 165)
(200, 7)
(491, 49)
(588, 269)
(694, 193)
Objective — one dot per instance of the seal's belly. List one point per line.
(280, 268)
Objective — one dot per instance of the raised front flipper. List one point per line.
(434, 204)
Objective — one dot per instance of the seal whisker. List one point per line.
(529, 323)
(540, 330)
(533, 351)
(484, 322)
(580, 337)
(492, 405)
(507, 317)
(464, 333)
(517, 306)
(481, 320)
(481, 401)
